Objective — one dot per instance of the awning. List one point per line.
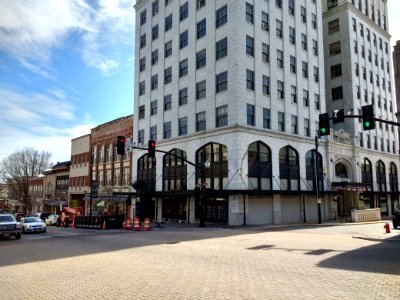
(110, 198)
(55, 202)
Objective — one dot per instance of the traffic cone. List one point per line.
(73, 224)
(104, 225)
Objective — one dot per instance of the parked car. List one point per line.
(52, 220)
(33, 224)
(43, 215)
(9, 226)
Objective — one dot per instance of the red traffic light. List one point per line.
(121, 145)
(151, 152)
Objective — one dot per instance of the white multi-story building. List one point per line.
(358, 73)
(238, 84)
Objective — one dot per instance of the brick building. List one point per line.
(36, 193)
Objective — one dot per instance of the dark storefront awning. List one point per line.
(111, 198)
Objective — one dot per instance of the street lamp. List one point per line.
(203, 192)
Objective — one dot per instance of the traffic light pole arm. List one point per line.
(162, 151)
(376, 119)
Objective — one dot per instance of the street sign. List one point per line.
(95, 189)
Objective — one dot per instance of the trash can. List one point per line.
(396, 219)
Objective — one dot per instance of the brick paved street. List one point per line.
(185, 262)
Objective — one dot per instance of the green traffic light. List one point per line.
(366, 124)
(323, 130)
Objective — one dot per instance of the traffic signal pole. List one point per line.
(317, 181)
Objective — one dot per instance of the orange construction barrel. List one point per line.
(146, 225)
(136, 224)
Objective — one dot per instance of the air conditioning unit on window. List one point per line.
(264, 26)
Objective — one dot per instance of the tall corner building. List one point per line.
(396, 69)
(231, 92)
(358, 72)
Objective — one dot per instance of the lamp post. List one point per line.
(203, 192)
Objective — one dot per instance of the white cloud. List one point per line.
(31, 30)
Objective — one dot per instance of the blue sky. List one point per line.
(67, 66)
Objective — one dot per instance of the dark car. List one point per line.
(9, 226)
(43, 215)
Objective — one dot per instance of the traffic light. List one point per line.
(324, 128)
(368, 117)
(151, 149)
(120, 145)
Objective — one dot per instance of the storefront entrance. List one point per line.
(216, 210)
(174, 207)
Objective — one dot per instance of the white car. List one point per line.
(52, 220)
(33, 224)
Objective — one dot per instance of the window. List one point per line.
(333, 26)
(291, 7)
(293, 93)
(141, 136)
(182, 126)
(201, 121)
(201, 28)
(251, 117)
(154, 57)
(294, 125)
(314, 21)
(354, 24)
(168, 22)
(221, 116)
(249, 13)
(201, 3)
(304, 42)
(168, 49)
(305, 69)
(279, 59)
(155, 7)
(183, 67)
(167, 102)
(153, 133)
(142, 41)
(221, 48)
(316, 74)
(265, 53)
(154, 82)
(355, 47)
(183, 11)
(305, 98)
(200, 90)
(167, 75)
(183, 41)
(142, 64)
(201, 59)
(266, 118)
(249, 45)
(336, 71)
(337, 93)
(221, 82)
(292, 64)
(250, 80)
(183, 96)
(142, 88)
(168, 2)
(303, 14)
(221, 16)
(292, 35)
(281, 121)
(141, 112)
(334, 49)
(278, 3)
(265, 85)
(153, 107)
(280, 89)
(315, 47)
(279, 28)
(307, 127)
(357, 69)
(317, 104)
(264, 21)
(154, 33)
(167, 130)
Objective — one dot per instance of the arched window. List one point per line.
(216, 176)
(289, 170)
(380, 176)
(310, 169)
(146, 174)
(260, 166)
(366, 171)
(174, 170)
(341, 170)
(393, 180)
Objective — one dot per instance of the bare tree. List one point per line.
(18, 167)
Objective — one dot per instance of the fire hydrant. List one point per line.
(387, 227)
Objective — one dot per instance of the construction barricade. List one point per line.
(146, 225)
(128, 224)
(136, 224)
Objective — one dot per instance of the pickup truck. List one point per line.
(9, 226)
